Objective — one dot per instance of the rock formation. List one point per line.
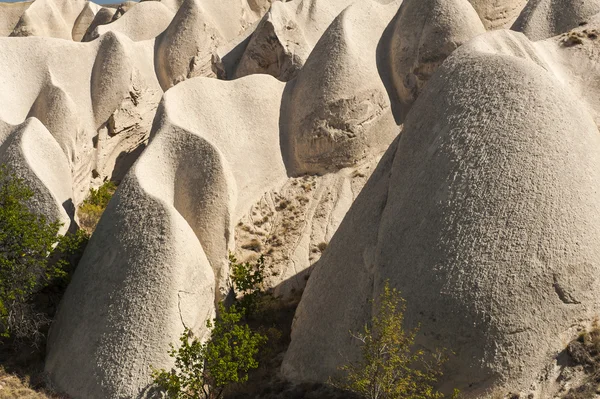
(10, 13)
(485, 223)
(191, 183)
(542, 19)
(498, 14)
(337, 111)
(271, 127)
(286, 35)
(144, 22)
(50, 18)
(425, 33)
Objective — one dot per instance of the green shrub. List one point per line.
(32, 257)
(92, 207)
(203, 370)
(248, 282)
(206, 369)
(390, 367)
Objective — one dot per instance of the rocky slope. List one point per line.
(352, 142)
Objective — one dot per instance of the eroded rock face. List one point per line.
(103, 16)
(498, 14)
(43, 168)
(10, 13)
(50, 18)
(189, 185)
(483, 212)
(339, 112)
(84, 20)
(75, 101)
(285, 37)
(456, 218)
(143, 22)
(426, 32)
(126, 322)
(179, 57)
(542, 19)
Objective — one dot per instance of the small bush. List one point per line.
(248, 282)
(205, 370)
(389, 367)
(92, 207)
(32, 257)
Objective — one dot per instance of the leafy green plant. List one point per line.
(93, 207)
(203, 370)
(32, 257)
(248, 282)
(206, 369)
(390, 367)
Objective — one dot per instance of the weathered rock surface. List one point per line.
(112, 82)
(201, 169)
(337, 113)
(286, 36)
(425, 33)
(457, 217)
(103, 16)
(50, 18)
(84, 20)
(542, 19)
(483, 212)
(143, 22)
(43, 168)
(10, 13)
(498, 14)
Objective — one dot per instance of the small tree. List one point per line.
(203, 370)
(32, 256)
(248, 281)
(389, 367)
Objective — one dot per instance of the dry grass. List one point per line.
(90, 211)
(12, 386)
(22, 372)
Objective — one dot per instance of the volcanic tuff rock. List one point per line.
(541, 19)
(237, 135)
(286, 36)
(425, 33)
(337, 112)
(484, 222)
(498, 14)
(142, 22)
(483, 211)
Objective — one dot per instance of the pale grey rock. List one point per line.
(111, 79)
(141, 281)
(158, 260)
(103, 16)
(338, 112)
(49, 18)
(10, 13)
(181, 56)
(498, 14)
(143, 22)
(84, 20)
(425, 33)
(286, 36)
(485, 222)
(542, 19)
(44, 168)
(185, 49)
